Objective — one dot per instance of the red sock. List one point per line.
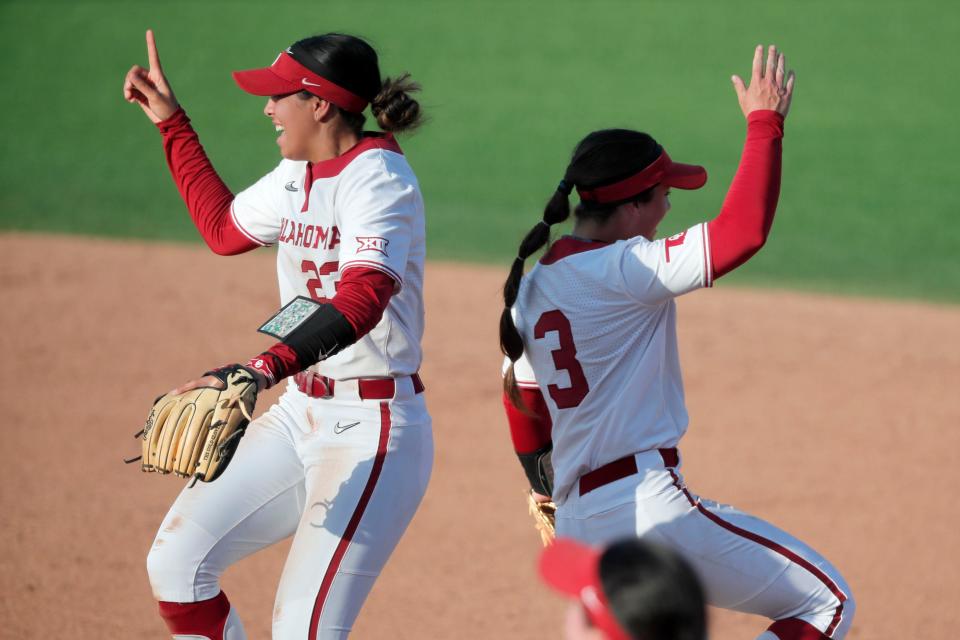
(796, 629)
(206, 618)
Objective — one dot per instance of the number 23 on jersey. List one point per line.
(314, 284)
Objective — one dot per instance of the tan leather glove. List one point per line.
(195, 433)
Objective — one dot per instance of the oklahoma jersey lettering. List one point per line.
(362, 209)
(592, 310)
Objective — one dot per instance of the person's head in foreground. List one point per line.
(632, 590)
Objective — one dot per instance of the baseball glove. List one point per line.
(196, 433)
(544, 516)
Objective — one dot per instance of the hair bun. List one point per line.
(393, 107)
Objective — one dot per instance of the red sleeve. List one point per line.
(744, 222)
(362, 297)
(529, 433)
(208, 198)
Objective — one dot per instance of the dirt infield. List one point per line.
(837, 419)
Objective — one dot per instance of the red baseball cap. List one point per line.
(286, 75)
(663, 170)
(573, 569)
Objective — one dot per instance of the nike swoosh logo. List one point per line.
(290, 187)
(339, 429)
(311, 84)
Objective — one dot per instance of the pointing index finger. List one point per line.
(152, 56)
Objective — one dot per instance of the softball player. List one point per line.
(590, 335)
(342, 461)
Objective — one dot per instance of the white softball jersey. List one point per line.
(591, 311)
(363, 209)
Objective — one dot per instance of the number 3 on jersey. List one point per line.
(314, 284)
(564, 358)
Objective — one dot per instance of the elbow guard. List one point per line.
(313, 330)
(539, 469)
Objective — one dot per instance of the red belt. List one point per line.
(625, 466)
(317, 386)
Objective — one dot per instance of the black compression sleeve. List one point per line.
(324, 333)
(539, 469)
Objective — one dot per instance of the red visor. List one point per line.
(574, 569)
(663, 170)
(286, 75)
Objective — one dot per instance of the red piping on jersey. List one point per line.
(745, 218)
(705, 245)
(531, 431)
(773, 546)
(568, 246)
(370, 264)
(334, 166)
(370, 140)
(208, 199)
(307, 185)
(351, 529)
(240, 228)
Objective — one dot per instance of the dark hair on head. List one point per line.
(351, 63)
(601, 158)
(652, 592)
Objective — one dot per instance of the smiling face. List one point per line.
(297, 123)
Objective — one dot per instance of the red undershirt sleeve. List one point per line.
(744, 222)
(362, 297)
(530, 433)
(208, 199)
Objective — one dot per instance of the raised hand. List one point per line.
(149, 87)
(771, 87)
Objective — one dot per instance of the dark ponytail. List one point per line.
(511, 343)
(393, 107)
(603, 157)
(352, 63)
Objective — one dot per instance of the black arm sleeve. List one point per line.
(324, 333)
(539, 469)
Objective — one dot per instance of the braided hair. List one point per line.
(603, 157)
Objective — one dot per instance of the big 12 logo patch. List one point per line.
(372, 243)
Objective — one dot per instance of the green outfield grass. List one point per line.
(869, 201)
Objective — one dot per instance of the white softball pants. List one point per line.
(344, 476)
(744, 563)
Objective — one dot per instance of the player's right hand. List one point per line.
(770, 88)
(149, 87)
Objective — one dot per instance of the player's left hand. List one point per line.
(544, 513)
(195, 429)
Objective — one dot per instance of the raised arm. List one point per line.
(744, 222)
(149, 87)
(208, 199)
